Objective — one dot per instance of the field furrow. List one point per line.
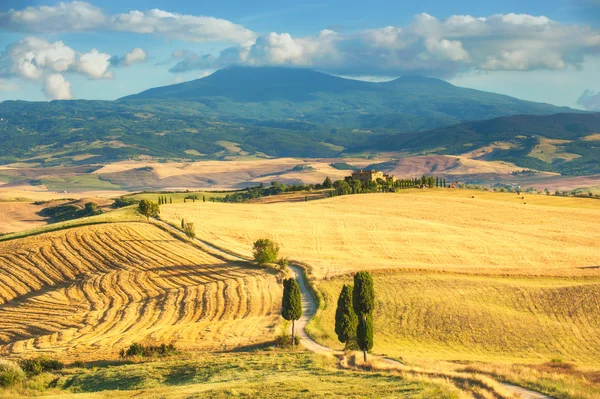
(88, 292)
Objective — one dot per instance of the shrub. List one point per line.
(10, 373)
(40, 365)
(265, 251)
(283, 263)
(139, 350)
(122, 202)
(285, 341)
(189, 230)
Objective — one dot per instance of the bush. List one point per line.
(285, 341)
(283, 263)
(122, 202)
(139, 350)
(10, 373)
(40, 365)
(265, 251)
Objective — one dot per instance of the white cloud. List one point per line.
(134, 56)
(80, 16)
(95, 65)
(33, 57)
(427, 46)
(590, 100)
(57, 88)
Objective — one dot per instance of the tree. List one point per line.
(182, 224)
(189, 230)
(148, 209)
(170, 200)
(342, 187)
(363, 301)
(291, 308)
(364, 334)
(265, 251)
(327, 183)
(346, 321)
(203, 198)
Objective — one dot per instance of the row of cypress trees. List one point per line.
(354, 313)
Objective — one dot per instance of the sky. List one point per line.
(546, 51)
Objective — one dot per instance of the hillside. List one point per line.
(243, 112)
(90, 291)
(430, 229)
(564, 143)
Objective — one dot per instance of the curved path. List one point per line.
(309, 308)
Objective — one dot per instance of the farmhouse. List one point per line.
(366, 176)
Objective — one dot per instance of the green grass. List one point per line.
(128, 214)
(84, 182)
(263, 374)
(450, 316)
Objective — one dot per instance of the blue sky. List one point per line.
(541, 51)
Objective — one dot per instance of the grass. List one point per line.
(428, 229)
(449, 316)
(252, 374)
(127, 214)
(83, 182)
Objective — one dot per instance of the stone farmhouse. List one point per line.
(366, 176)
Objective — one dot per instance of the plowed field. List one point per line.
(87, 292)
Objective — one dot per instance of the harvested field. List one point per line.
(478, 317)
(429, 229)
(85, 293)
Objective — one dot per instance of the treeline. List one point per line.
(61, 213)
(264, 191)
(353, 186)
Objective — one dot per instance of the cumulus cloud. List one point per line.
(428, 45)
(33, 57)
(134, 56)
(57, 88)
(78, 16)
(590, 100)
(95, 65)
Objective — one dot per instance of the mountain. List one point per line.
(275, 93)
(243, 111)
(564, 143)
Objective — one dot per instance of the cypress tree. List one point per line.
(203, 198)
(170, 200)
(346, 320)
(363, 301)
(182, 224)
(291, 308)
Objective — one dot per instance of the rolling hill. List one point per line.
(564, 143)
(249, 112)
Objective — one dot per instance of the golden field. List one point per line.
(87, 292)
(449, 316)
(414, 229)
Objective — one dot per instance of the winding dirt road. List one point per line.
(309, 307)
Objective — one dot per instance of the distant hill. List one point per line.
(247, 112)
(565, 143)
(407, 103)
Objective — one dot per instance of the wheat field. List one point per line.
(423, 229)
(86, 292)
(450, 316)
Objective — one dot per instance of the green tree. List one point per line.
(327, 183)
(363, 301)
(189, 230)
(265, 251)
(364, 334)
(291, 308)
(342, 187)
(148, 209)
(346, 321)
(182, 224)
